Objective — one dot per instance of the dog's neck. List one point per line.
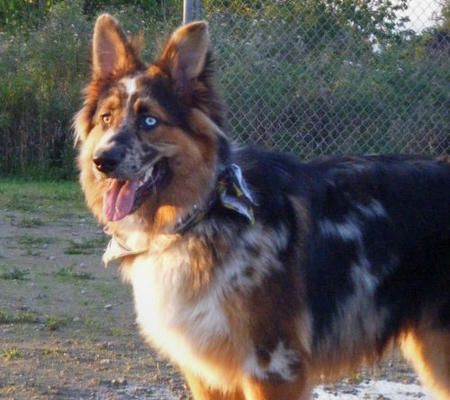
(230, 192)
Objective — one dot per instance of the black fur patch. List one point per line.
(400, 207)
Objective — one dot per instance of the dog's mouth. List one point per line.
(124, 196)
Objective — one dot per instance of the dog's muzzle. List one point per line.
(106, 161)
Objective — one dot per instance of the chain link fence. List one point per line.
(319, 77)
(312, 77)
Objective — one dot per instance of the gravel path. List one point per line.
(67, 325)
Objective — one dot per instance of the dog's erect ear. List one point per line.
(112, 53)
(185, 54)
(188, 61)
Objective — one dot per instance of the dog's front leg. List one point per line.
(257, 389)
(201, 391)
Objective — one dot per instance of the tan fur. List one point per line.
(185, 53)
(147, 103)
(93, 187)
(186, 189)
(200, 391)
(185, 154)
(428, 351)
(113, 55)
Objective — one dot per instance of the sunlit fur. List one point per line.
(345, 258)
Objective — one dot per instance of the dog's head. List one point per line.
(149, 136)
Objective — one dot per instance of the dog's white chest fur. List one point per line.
(182, 328)
(188, 327)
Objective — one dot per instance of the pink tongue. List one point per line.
(119, 199)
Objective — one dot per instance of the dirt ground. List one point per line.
(67, 327)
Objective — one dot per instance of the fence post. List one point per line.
(191, 10)
(188, 11)
(198, 9)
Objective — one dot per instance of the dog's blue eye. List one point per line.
(149, 122)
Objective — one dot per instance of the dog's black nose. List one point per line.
(107, 161)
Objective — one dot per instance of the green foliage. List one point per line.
(444, 16)
(321, 20)
(17, 15)
(300, 75)
(311, 81)
(42, 72)
(152, 10)
(41, 76)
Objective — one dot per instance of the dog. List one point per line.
(257, 274)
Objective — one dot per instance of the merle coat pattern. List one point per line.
(255, 273)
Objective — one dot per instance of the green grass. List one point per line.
(70, 274)
(30, 222)
(34, 240)
(86, 246)
(11, 353)
(52, 198)
(117, 332)
(21, 317)
(52, 352)
(93, 324)
(54, 323)
(109, 290)
(14, 275)
(32, 253)
(50, 322)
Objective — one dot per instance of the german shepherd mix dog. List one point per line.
(255, 273)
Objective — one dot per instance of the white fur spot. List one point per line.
(233, 274)
(348, 230)
(351, 326)
(363, 279)
(358, 319)
(130, 86)
(281, 362)
(373, 210)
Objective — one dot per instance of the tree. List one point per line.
(371, 20)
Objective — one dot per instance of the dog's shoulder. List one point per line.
(405, 191)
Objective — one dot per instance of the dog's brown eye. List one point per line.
(107, 118)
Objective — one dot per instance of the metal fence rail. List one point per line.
(332, 76)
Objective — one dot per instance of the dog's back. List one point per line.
(377, 255)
